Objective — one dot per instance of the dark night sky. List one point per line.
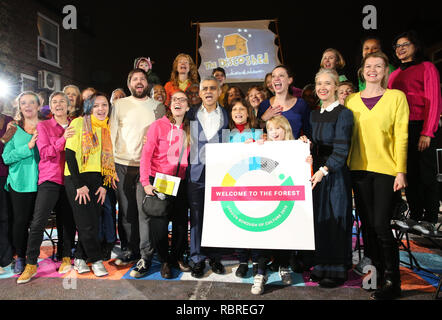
(128, 29)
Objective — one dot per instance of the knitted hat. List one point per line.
(140, 59)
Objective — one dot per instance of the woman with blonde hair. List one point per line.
(333, 59)
(22, 156)
(378, 164)
(51, 193)
(184, 74)
(332, 126)
(75, 105)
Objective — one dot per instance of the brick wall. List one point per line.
(18, 46)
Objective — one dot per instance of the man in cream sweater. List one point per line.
(129, 121)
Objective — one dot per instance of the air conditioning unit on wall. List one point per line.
(49, 80)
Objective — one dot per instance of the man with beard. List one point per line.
(129, 121)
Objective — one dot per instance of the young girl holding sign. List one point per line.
(278, 129)
(242, 124)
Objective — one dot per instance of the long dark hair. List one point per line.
(251, 119)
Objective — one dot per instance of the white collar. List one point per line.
(217, 109)
(330, 107)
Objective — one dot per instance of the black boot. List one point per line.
(391, 288)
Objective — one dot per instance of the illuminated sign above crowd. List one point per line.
(245, 49)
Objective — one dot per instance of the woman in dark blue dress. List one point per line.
(332, 127)
(294, 109)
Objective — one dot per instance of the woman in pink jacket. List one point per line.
(420, 81)
(166, 139)
(52, 135)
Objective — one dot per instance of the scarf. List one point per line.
(240, 127)
(90, 145)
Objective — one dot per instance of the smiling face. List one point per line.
(255, 97)
(370, 46)
(159, 93)
(220, 77)
(193, 92)
(329, 60)
(138, 85)
(233, 93)
(374, 70)
(405, 50)
(281, 80)
(59, 106)
(325, 88)
(275, 132)
(144, 65)
(72, 95)
(29, 105)
(179, 104)
(209, 92)
(239, 113)
(100, 109)
(268, 83)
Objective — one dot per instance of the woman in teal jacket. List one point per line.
(22, 157)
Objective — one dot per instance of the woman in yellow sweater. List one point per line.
(378, 163)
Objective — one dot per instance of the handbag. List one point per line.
(159, 204)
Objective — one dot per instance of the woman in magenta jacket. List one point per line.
(165, 139)
(51, 194)
(420, 81)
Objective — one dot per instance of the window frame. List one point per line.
(57, 45)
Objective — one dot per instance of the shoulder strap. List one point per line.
(181, 156)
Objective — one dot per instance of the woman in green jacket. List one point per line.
(22, 157)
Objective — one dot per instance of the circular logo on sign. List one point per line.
(240, 219)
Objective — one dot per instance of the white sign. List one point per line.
(245, 49)
(258, 196)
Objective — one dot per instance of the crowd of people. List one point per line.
(84, 154)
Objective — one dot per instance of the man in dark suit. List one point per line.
(206, 124)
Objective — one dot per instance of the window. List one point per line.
(48, 40)
(28, 83)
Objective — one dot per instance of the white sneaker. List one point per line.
(80, 266)
(285, 275)
(407, 224)
(99, 269)
(425, 227)
(258, 284)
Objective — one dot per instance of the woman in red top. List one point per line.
(420, 81)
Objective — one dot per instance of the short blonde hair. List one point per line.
(383, 56)
(340, 62)
(333, 74)
(281, 122)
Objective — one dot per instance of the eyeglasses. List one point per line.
(179, 99)
(405, 44)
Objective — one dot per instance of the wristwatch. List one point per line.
(325, 172)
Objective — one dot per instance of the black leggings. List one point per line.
(374, 202)
(50, 196)
(86, 217)
(23, 209)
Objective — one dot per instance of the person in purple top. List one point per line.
(5, 209)
(52, 135)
